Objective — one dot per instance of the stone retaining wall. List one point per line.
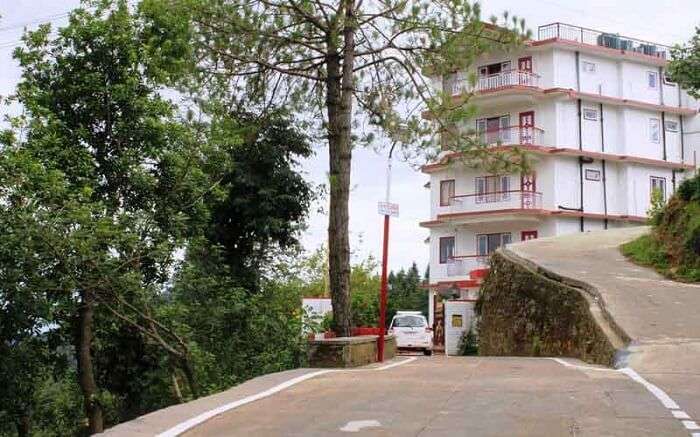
(522, 312)
(349, 351)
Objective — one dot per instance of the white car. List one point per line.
(412, 331)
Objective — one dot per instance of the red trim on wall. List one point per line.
(444, 218)
(565, 151)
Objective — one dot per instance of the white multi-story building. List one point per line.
(604, 125)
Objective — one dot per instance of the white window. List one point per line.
(590, 114)
(447, 192)
(652, 79)
(488, 243)
(667, 79)
(588, 67)
(494, 129)
(592, 175)
(492, 188)
(671, 126)
(654, 130)
(447, 249)
(658, 184)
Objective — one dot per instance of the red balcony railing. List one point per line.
(610, 40)
(494, 201)
(461, 265)
(513, 135)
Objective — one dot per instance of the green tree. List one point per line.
(105, 182)
(342, 62)
(684, 68)
(406, 292)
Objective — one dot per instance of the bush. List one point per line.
(469, 344)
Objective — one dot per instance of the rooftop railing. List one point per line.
(610, 40)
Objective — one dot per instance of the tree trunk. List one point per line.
(339, 107)
(24, 425)
(188, 371)
(86, 375)
(176, 386)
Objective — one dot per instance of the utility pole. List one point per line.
(386, 209)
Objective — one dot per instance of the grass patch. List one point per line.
(673, 246)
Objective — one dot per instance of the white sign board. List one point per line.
(390, 209)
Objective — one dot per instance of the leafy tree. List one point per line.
(406, 292)
(342, 63)
(685, 65)
(99, 179)
(266, 199)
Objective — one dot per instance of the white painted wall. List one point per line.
(453, 334)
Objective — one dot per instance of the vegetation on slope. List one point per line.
(673, 246)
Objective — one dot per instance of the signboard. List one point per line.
(388, 208)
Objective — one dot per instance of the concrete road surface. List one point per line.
(662, 317)
(457, 396)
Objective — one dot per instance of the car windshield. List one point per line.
(409, 322)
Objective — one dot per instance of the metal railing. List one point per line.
(512, 135)
(495, 81)
(595, 37)
(462, 265)
(494, 201)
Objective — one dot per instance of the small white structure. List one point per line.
(315, 309)
(605, 128)
(458, 319)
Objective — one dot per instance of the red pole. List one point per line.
(382, 295)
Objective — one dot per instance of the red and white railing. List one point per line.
(494, 201)
(461, 265)
(512, 135)
(494, 81)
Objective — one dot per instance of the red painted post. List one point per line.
(382, 294)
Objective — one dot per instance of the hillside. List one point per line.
(673, 246)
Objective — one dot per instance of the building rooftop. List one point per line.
(569, 32)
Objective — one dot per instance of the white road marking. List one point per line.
(389, 366)
(358, 425)
(689, 424)
(576, 366)
(658, 393)
(678, 414)
(198, 420)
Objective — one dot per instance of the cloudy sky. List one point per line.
(666, 22)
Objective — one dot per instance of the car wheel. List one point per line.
(427, 352)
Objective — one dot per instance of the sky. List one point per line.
(665, 22)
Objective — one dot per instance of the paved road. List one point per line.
(455, 396)
(662, 317)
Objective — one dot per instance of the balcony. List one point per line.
(492, 82)
(460, 266)
(609, 40)
(494, 201)
(525, 135)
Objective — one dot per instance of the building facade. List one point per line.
(605, 128)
